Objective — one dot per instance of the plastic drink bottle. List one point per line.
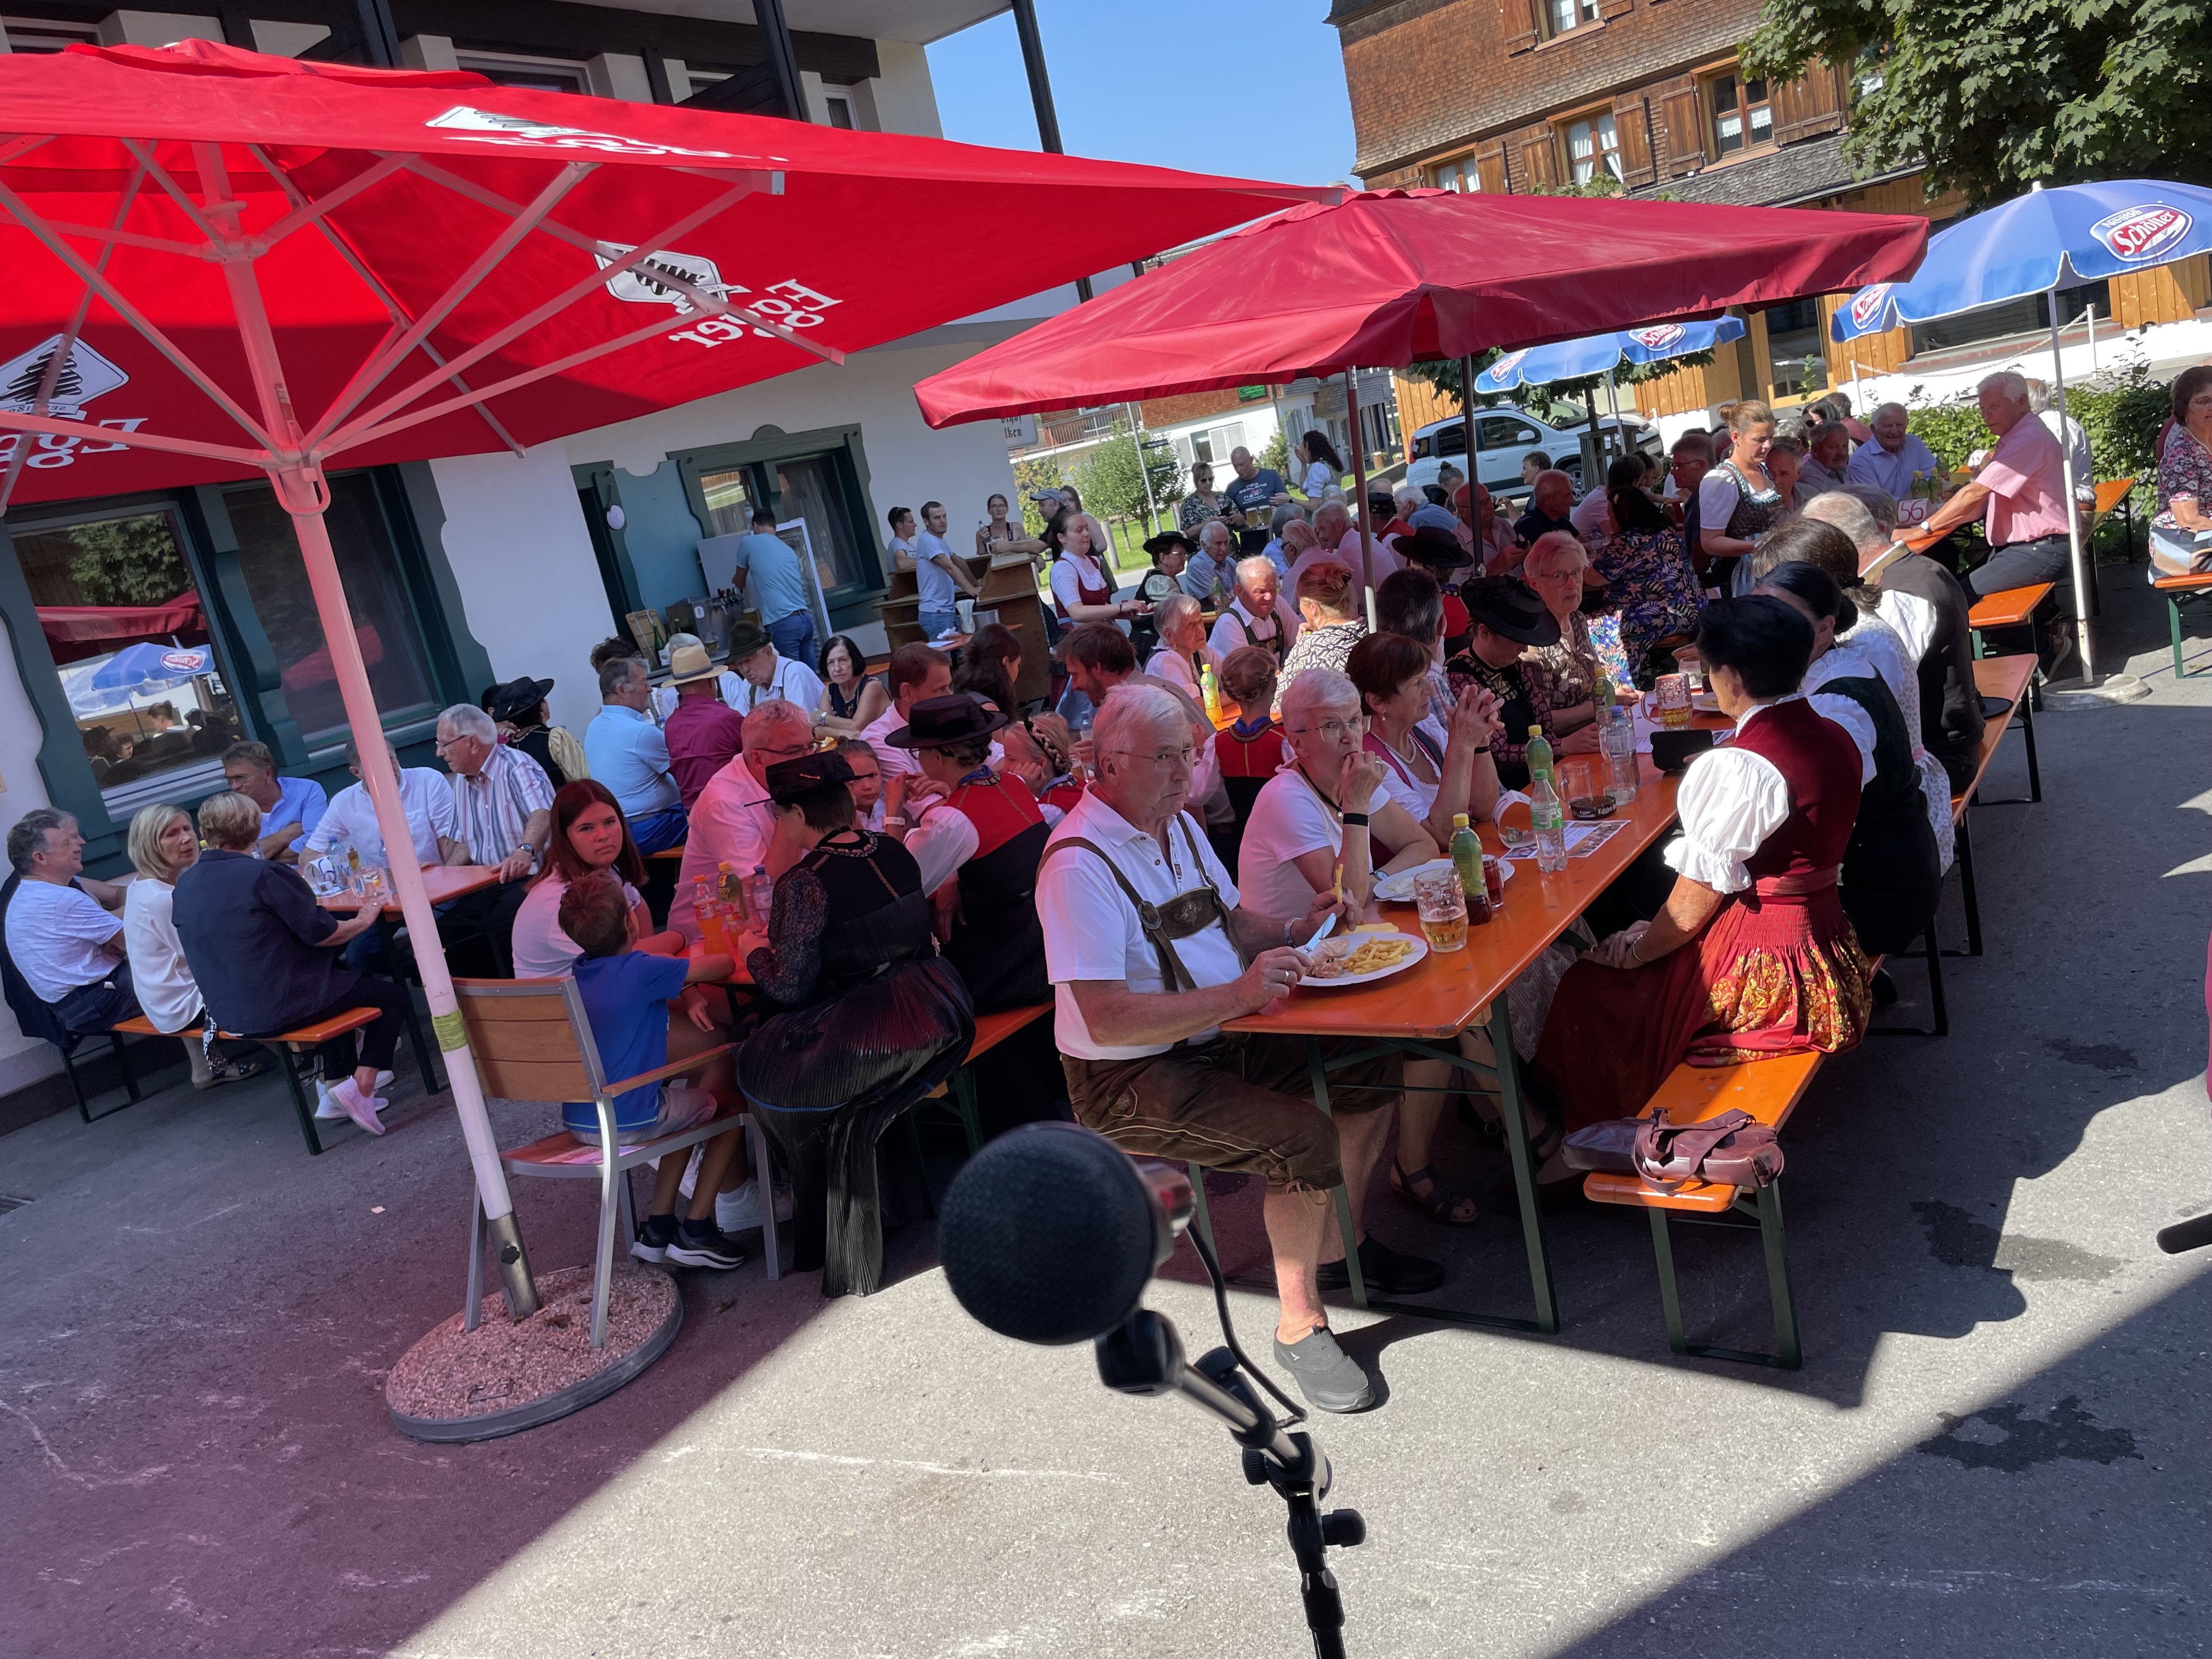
(1210, 689)
(1549, 819)
(1539, 752)
(1466, 859)
(731, 894)
(712, 933)
(760, 894)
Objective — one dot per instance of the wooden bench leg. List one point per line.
(1966, 857)
(968, 1108)
(1789, 1355)
(1932, 954)
(1670, 1298)
(2173, 622)
(2034, 776)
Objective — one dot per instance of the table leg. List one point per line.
(1319, 1070)
(1524, 1174)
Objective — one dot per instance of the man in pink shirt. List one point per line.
(2018, 493)
(704, 733)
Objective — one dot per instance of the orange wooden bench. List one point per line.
(2012, 608)
(2179, 591)
(288, 1045)
(1769, 1090)
(956, 1095)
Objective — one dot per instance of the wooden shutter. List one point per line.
(1490, 169)
(1682, 113)
(1631, 122)
(1518, 18)
(1540, 156)
(1808, 107)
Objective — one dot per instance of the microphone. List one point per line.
(1049, 1234)
(2193, 1235)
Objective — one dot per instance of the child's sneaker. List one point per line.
(703, 1244)
(654, 1235)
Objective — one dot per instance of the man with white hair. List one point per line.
(1149, 950)
(2020, 494)
(1258, 616)
(1895, 457)
(1336, 539)
(733, 821)
(1551, 507)
(503, 816)
(1924, 603)
(1209, 567)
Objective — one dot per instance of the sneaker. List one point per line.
(326, 1103)
(654, 1235)
(738, 1212)
(1385, 1271)
(384, 1080)
(361, 1107)
(702, 1244)
(1330, 1378)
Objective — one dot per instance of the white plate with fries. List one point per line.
(1358, 958)
(1399, 888)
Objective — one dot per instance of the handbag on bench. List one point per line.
(1732, 1150)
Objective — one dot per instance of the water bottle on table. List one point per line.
(1549, 819)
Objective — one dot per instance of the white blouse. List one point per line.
(1166, 665)
(1730, 802)
(159, 974)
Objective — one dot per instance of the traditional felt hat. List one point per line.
(1509, 607)
(935, 721)
(803, 775)
(1168, 541)
(519, 699)
(746, 638)
(1435, 547)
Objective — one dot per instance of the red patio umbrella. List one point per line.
(1390, 277)
(214, 264)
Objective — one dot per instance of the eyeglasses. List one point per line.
(1334, 731)
(788, 751)
(454, 742)
(1185, 756)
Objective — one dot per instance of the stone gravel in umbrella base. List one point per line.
(505, 1377)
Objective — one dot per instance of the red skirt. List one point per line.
(1770, 975)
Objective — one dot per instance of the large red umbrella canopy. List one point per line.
(419, 236)
(1390, 277)
(214, 264)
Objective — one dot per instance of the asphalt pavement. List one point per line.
(1997, 1445)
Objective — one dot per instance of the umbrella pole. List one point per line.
(1144, 472)
(1359, 484)
(2073, 512)
(304, 496)
(1473, 459)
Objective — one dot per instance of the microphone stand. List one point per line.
(1144, 1356)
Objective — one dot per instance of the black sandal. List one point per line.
(229, 1070)
(1443, 1204)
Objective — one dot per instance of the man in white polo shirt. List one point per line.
(62, 928)
(1138, 1012)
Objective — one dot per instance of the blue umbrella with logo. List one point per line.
(2039, 243)
(150, 668)
(1600, 353)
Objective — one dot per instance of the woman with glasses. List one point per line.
(1649, 582)
(1326, 812)
(1568, 666)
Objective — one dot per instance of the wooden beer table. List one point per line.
(443, 882)
(1421, 1012)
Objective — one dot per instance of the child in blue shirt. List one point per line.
(626, 995)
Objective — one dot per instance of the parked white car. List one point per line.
(1507, 434)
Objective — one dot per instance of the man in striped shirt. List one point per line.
(502, 818)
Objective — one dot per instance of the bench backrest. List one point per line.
(530, 1038)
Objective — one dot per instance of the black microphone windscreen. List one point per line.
(1047, 1235)
(2192, 1234)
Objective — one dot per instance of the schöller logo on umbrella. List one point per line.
(639, 289)
(83, 375)
(1664, 335)
(2140, 233)
(1866, 305)
(1508, 364)
(484, 126)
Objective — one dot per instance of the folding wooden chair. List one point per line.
(531, 1041)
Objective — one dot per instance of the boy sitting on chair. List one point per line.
(626, 995)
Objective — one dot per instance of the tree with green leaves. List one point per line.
(1996, 96)
(1113, 485)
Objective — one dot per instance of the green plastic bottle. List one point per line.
(1466, 858)
(1540, 752)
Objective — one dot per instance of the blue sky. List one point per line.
(1256, 93)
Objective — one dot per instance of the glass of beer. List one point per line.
(1442, 903)
(1670, 699)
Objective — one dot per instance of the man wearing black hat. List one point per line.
(520, 704)
(765, 672)
(988, 833)
(1435, 548)
(1505, 616)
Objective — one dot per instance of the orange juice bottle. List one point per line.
(712, 933)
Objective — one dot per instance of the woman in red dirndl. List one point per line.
(1753, 956)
